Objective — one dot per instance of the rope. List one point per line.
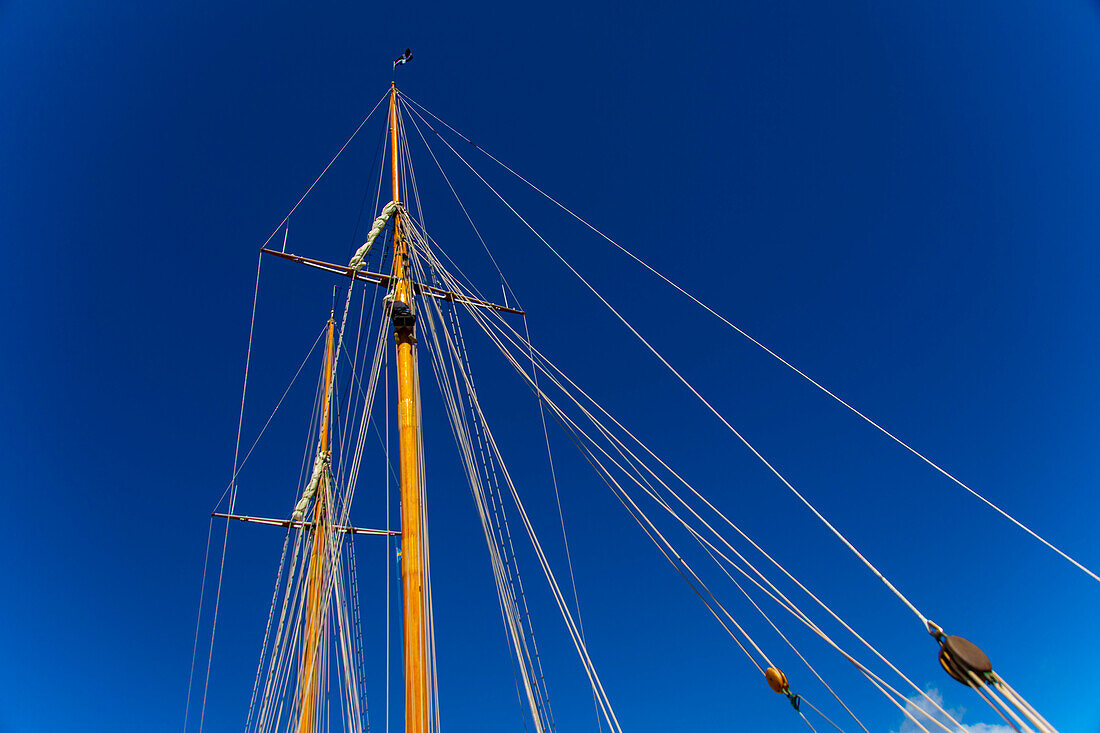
(198, 619)
(786, 603)
(510, 589)
(548, 573)
(267, 631)
(474, 313)
(334, 585)
(247, 364)
(465, 213)
(458, 335)
(323, 172)
(769, 351)
(801, 616)
(233, 494)
(802, 699)
(561, 515)
(389, 540)
(1021, 703)
(870, 566)
(498, 539)
(217, 604)
(835, 531)
(270, 417)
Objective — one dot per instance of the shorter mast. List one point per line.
(310, 671)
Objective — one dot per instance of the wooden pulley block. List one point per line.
(959, 656)
(776, 680)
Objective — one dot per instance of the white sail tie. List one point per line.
(320, 466)
(360, 255)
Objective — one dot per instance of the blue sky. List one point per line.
(898, 198)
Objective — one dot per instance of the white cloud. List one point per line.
(920, 708)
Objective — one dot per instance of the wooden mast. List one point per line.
(416, 667)
(416, 698)
(310, 670)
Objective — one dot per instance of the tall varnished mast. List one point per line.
(416, 697)
(311, 679)
(311, 642)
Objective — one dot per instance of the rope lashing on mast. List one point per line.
(320, 467)
(360, 256)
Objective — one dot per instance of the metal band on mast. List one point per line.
(416, 697)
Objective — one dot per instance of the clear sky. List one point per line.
(898, 197)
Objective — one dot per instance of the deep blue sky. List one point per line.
(900, 198)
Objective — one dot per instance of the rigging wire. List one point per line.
(247, 364)
(457, 359)
(932, 628)
(389, 538)
(217, 603)
(198, 619)
(872, 678)
(803, 700)
(279, 670)
(335, 581)
(332, 586)
(870, 566)
(323, 172)
(503, 559)
(270, 417)
(561, 514)
(749, 598)
(507, 599)
(267, 631)
(376, 161)
(233, 491)
(548, 573)
(542, 416)
(457, 335)
(355, 357)
(504, 595)
(769, 351)
(465, 212)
